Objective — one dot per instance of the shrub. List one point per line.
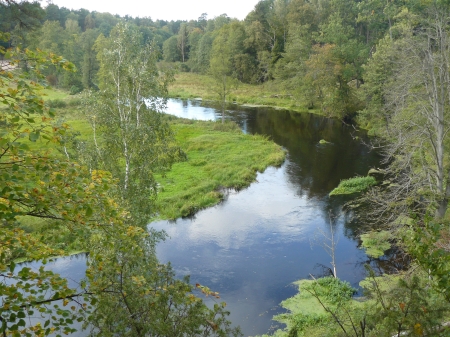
(57, 103)
(52, 79)
(74, 89)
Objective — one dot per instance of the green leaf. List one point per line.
(89, 211)
(34, 136)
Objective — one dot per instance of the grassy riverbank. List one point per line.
(219, 156)
(190, 85)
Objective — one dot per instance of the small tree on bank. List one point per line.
(221, 68)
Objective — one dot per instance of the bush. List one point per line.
(52, 80)
(74, 89)
(184, 68)
(57, 103)
(74, 102)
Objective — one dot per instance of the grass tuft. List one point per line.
(353, 185)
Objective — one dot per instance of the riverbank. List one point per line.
(219, 157)
(197, 86)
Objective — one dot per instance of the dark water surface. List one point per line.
(252, 246)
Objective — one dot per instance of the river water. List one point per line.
(253, 245)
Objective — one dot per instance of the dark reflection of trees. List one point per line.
(313, 169)
(394, 261)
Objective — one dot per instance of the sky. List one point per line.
(164, 9)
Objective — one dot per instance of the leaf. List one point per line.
(12, 266)
(89, 211)
(34, 136)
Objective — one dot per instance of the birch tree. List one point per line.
(127, 112)
(221, 67)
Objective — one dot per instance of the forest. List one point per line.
(379, 66)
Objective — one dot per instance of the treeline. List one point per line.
(72, 34)
(315, 50)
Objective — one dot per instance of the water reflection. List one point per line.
(252, 246)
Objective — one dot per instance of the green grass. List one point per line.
(190, 85)
(53, 94)
(217, 160)
(353, 185)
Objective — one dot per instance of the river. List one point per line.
(254, 244)
(251, 247)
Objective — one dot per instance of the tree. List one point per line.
(128, 112)
(416, 105)
(182, 39)
(171, 52)
(140, 297)
(38, 184)
(221, 67)
(89, 65)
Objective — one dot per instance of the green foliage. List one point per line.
(430, 246)
(221, 66)
(398, 304)
(74, 89)
(140, 297)
(132, 293)
(33, 183)
(354, 185)
(57, 103)
(307, 311)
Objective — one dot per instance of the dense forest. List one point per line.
(316, 50)
(380, 65)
